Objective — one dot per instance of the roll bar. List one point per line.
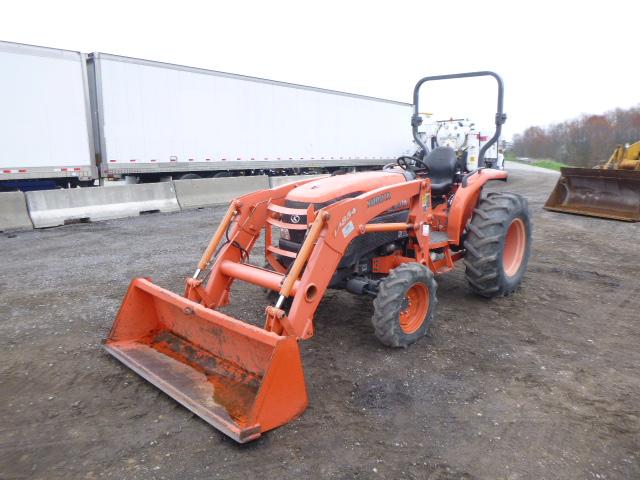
(501, 117)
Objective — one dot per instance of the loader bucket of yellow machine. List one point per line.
(603, 193)
(241, 379)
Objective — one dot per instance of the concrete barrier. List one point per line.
(279, 181)
(212, 191)
(49, 208)
(13, 212)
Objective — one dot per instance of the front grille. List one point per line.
(360, 245)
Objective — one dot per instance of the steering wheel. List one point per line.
(407, 162)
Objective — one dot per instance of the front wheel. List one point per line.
(498, 244)
(405, 304)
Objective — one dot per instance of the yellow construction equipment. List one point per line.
(610, 190)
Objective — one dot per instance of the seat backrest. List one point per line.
(442, 164)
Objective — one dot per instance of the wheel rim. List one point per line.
(514, 246)
(414, 308)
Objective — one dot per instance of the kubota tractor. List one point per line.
(385, 234)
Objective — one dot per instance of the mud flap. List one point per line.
(239, 378)
(611, 194)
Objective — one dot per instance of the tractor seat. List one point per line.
(442, 164)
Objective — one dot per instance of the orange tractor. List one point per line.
(384, 234)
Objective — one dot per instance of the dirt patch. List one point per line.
(542, 384)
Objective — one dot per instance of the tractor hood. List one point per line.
(329, 189)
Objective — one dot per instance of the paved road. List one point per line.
(523, 167)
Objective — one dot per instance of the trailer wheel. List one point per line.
(190, 176)
(498, 244)
(405, 305)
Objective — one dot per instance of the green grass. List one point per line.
(542, 163)
(509, 156)
(550, 164)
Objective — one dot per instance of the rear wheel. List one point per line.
(405, 304)
(498, 244)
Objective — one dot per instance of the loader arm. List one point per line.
(329, 235)
(344, 221)
(242, 379)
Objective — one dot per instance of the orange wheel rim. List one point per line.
(514, 246)
(414, 308)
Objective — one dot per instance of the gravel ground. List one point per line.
(542, 384)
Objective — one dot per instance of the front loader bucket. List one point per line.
(241, 379)
(611, 194)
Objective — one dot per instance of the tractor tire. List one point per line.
(405, 305)
(498, 244)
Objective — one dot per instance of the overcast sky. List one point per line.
(558, 59)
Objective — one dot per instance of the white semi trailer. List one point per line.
(71, 118)
(156, 119)
(45, 126)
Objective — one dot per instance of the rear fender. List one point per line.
(466, 199)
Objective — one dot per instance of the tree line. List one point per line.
(585, 141)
